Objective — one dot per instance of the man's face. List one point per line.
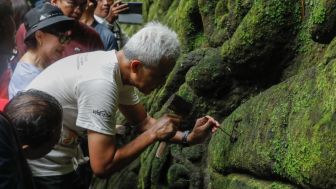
(71, 8)
(149, 78)
(103, 7)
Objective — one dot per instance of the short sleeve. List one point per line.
(97, 105)
(128, 96)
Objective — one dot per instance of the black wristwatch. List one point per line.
(185, 138)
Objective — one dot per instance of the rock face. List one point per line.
(266, 70)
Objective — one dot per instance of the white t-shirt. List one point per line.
(89, 88)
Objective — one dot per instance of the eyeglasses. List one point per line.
(63, 37)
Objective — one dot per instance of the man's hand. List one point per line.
(166, 127)
(116, 8)
(203, 127)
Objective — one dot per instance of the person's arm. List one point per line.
(105, 157)
(202, 128)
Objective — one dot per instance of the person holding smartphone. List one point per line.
(107, 12)
(106, 35)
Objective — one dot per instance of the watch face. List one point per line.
(185, 137)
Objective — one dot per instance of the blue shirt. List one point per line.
(106, 35)
(23, 74)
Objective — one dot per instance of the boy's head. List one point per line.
(37, 119)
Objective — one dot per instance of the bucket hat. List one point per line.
(42, 17)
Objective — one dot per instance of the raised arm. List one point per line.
(105, 157)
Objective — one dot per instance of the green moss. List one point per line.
(318, 14)
(186, 93)
(146, 166)
(261, 30)
(289, 129)
(240, 181)
(178, 176)
(181, 17)
(200, 41)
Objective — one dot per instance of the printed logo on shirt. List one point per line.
(102, 113)
(80, 60)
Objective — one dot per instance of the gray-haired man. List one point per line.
(92, 86)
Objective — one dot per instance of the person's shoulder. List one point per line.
(103, 30)
(84, 34)
(84, 29)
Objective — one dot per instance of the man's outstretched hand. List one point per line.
(204, 126)
(166, 127)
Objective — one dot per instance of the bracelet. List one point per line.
(185, 138)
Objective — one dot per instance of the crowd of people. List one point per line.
(69, 77)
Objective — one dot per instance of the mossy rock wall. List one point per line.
(263, 67)
(286, 133)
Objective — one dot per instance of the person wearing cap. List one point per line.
(106, 13)
(84, 38)
(92, 89)
(48, 32)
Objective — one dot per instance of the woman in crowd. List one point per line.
(48, 31)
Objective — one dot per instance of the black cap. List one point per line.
(42, 17)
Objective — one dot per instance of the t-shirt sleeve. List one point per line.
(97, 105)
(128, 96)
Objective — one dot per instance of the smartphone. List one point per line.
(133, 8)
(133, 15)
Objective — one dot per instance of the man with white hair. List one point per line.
(91, 86)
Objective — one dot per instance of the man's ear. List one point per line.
(135, 66)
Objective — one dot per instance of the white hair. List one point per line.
(153, 43)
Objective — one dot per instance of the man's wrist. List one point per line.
(185, 135)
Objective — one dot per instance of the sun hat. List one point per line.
(42, 17)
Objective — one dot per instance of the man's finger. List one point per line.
(201, 121)
(120, 10)
(116, 3)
